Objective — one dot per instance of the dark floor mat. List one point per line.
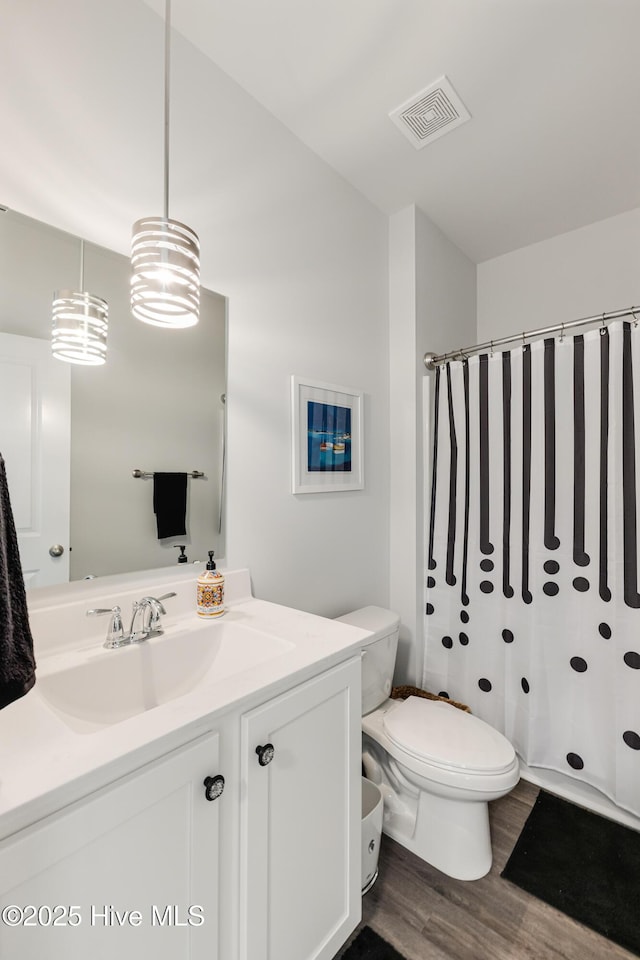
(584, 865)
(369, 946)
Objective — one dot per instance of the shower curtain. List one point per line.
(532, 603)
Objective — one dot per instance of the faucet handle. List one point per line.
(153, 610)
(115, 632)
(156, 607)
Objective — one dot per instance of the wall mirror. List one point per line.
(156, 405)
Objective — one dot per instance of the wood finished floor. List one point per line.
(428, 916)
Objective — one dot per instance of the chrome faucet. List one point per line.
(145, 621)
(145, 618)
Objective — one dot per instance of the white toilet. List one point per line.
(437, 766)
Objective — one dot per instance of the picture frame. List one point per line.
(326, 437)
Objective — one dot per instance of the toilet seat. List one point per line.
(445, 737)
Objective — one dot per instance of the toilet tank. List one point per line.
(379, 654)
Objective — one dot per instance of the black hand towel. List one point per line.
(17, 662)
(170, 504)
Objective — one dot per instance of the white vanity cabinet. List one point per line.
(149, 867)
(131, 871)
(300, 819)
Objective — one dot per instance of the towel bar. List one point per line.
(146, 475)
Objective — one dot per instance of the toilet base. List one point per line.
(451, 835)
(445, 825)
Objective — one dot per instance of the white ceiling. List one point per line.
(553, 88)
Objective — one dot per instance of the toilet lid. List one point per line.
(447, 737)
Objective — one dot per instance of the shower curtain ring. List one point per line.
(524, 342)
(561, 332)
(491, 350)
(635, 319)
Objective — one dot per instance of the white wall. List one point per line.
(313, 303)
(403, 447)
(300, 255)
(432, 301)
(579, 274)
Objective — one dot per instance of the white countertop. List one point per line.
(45, 764)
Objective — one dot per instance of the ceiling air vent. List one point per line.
(430, 114)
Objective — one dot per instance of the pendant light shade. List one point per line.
(165, 254)
(165, 273)
(80, 323)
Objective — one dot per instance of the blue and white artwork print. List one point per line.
(328, 437)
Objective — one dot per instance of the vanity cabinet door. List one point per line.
(300, 820)
(129, 872)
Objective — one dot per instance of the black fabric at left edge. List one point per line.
(582, 864)
(170, 504)
(17, 661)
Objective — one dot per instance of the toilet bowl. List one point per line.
(436, 766)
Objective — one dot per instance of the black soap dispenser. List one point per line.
(183, 558)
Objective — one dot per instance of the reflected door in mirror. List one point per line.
(34, 442)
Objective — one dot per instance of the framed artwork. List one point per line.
(326, 437)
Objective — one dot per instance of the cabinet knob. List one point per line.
(265, 754)
(213, 787)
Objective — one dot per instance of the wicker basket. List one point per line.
(401, 693)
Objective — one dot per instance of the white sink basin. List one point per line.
(94, 688)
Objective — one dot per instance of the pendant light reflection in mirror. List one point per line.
(80, 323)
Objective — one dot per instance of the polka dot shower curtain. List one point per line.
(532, 602)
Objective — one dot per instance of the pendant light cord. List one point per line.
(81, 287)
(167, 43)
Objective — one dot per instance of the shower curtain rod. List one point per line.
(432, 360)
